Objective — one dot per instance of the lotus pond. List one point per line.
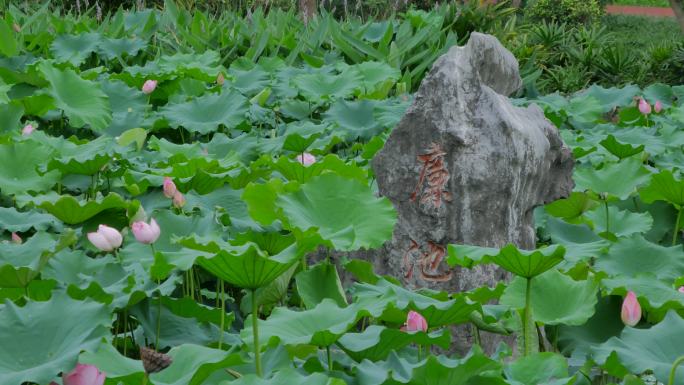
(164, 174)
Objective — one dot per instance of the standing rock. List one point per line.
(466, 166)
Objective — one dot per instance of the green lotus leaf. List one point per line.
(71, 210)
(191, 365)
(655, 294)
(129, 106)
(572, 207)
(376, 342)
(85, 159)
(319, 86)
(318, 283)
(345, 212)
(82, 101)
(622, 223)
(579, 298)
(111, 48)
(659, 92)
(250, 264)
(10, 115)
(664, 187)
(634, 255)
(539, 369)
(43, 339)
(355, 119)
(618, 149)
(321, 326)
(376, 77)
(576, 341)
(610, 98)
(653, 349)
(105, 280)
(579, 241)
(206, 113)
(19, 221)
(19, 264)
(177, 330)
(523, 263)
(287, 376)
(475, 368)
(75, 49)
(295, 171)
(18, 164)
(391, 302)
(619, 180)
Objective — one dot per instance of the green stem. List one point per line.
(156, 341)
(605, 204)
(528, 326)
(476, 334)
(677, 362)
(676, 227)
(223, 315)
(144, 381)
(330, 368)
(125, 320)
(255, 329)
(420, 352)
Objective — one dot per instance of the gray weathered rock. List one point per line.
(466, 166)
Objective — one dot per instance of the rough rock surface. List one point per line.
(466, 166)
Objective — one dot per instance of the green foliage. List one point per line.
(264, 244)
(566, 11)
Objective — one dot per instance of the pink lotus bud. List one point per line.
(16, 27)
(145, 233)
(149, 86)
(220, 79)
(644, 107)
(415, 322)
(658, 107)
(105, 238)
(681, 289)
(306, 159)
(169, 187)
(84, 375)
(631, 310)
(27, 130)
(16, 238)
(178, 200)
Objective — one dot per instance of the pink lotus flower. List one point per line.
(178, 200)
(84, 375)
(16, 238)
(27, 130)
(105, 238)
(681, 289)
(658, 107)
(149, 86)
(631, 310)
(306, 159)
(146, 233)
(415, 322)
(220, 79)
(169, 187)
(644, 107)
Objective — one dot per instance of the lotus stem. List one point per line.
(330, 368)
(676, 227)
(527, 322)
(223, 314)
(156, 341)
(605, 204)
(255, 329)
(144, 381)
(677, 362)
